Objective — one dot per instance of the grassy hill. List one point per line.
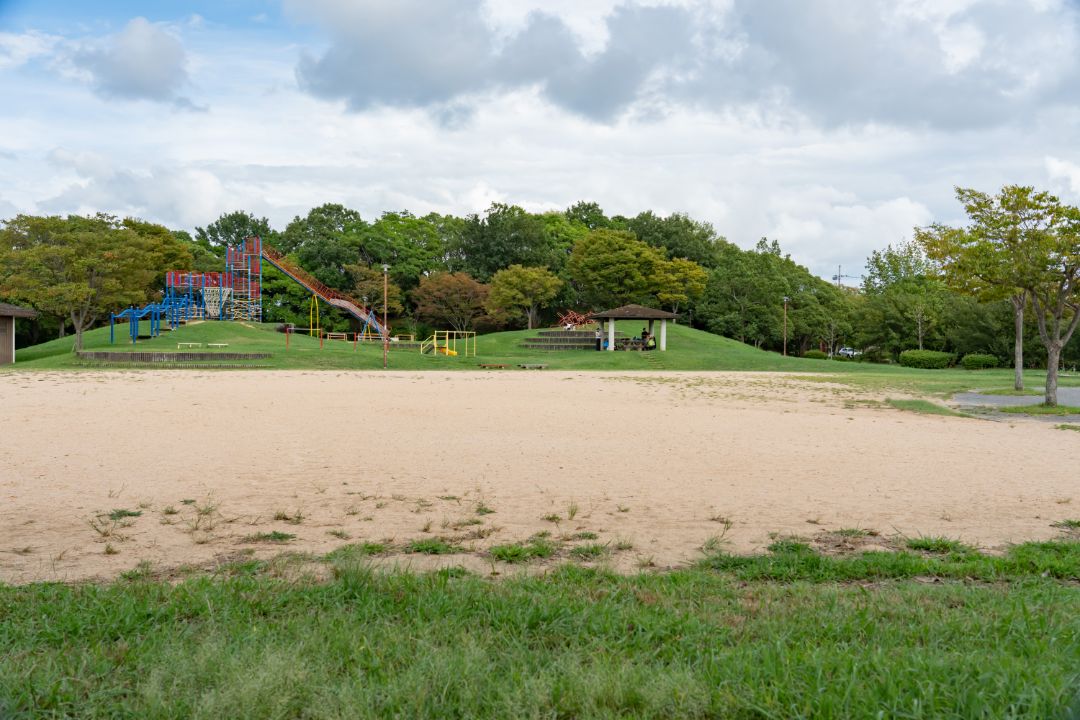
(688, 350)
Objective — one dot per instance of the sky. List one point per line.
(832, 126)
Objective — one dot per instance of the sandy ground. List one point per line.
(659, 461)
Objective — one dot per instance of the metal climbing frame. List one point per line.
(243, 270)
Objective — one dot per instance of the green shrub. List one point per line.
(978, 361)
(926, 359)
(815, 355)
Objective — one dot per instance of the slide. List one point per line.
(328, 295)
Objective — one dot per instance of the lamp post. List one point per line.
(385, 333)
(786, 301)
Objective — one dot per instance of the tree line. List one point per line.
(959, 290)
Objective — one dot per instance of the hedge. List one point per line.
(926, 359)
(978, 361)
(815, 355)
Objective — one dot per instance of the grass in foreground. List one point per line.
(786, 635)
(1041, 410)
(923, 406)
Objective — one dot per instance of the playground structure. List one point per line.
(445, 342)
(236, 295)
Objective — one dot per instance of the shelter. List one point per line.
(8, 313)
(634, 312)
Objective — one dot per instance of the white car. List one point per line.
(848, 352)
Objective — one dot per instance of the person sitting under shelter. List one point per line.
(650, 343)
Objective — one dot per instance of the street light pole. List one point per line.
(385, 333)
(786, 300)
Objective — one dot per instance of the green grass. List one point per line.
(535, 548)
(688, 350)
(275, 536)
(123, 513)
(924, 407)
(939, 545)
(591, 551)
(1041, 410)
(1067, 524)
(785, 635)
(1013, 391)
(1067, 426)
(432, 546)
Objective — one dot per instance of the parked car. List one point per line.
(848, 352)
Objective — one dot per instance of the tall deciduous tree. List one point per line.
(368, 282)
(506, 235)
(518, 290)
(612, 268)
(904, 281)
(411, 246)
(455, 299)
(231, 229)
(990, 258)
(84, 267)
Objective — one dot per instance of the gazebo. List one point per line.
(8, 313)
(634, 312)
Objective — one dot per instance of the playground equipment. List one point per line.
(236, 294)
(445, 342)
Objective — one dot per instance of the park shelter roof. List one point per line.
(633, 312)
(16, 311)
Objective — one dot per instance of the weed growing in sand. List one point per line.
(789, 546)
(295, 519)
(552, 518)
(482, 509)
(143, 570)
(110, 549)
(584, 535)
(352, 510)
(856, 533)
(339, 534)
(23, 550)
(432, 546)
(622, 508)
(480, 533)
(937, 545)
(523, 552)
(463, 522)
(623, 545)
(380, 505)
(364, 549)
(103, 526)
(645, 561)
(426, 527)
(572, 510)
(187, 501)
(593, 551)
(123, 513)
(449, 498)
(1066, 524)
(1067, 426)
(169, 510)
(713, 544)
(269, 537)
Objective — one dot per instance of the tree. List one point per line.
(613, 268)
(231, 229)
(679, 282)
(455, 299)
(679, 235)
(507, 235)
(989, 259)
(519, 290)
(588, 214)
(903, 281)
(324, 241)
(411, 246)
(84, 267)
(367, 282)
(1053, 281)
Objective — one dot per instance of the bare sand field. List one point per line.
(659, 461)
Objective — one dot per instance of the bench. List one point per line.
(217, 345)
(493, 366)
(531, 366)
(336, 336)
(188, 345)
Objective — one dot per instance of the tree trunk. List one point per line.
(1018, 302)
(530, 315)
(1053, 359)
(63, 328)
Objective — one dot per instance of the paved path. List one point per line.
(980, 402)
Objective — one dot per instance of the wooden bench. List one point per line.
(217, 345)
(336, 336)
(531, 366)
(188, 345)
(493, 366)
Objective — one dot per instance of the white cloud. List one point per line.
(1065, 175)
(19, 49)
(144, 61)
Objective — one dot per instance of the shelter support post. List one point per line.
(663, 335)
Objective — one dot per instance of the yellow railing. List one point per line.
(450, 342)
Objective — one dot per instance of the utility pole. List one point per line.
(786, 301)
(385, 329)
